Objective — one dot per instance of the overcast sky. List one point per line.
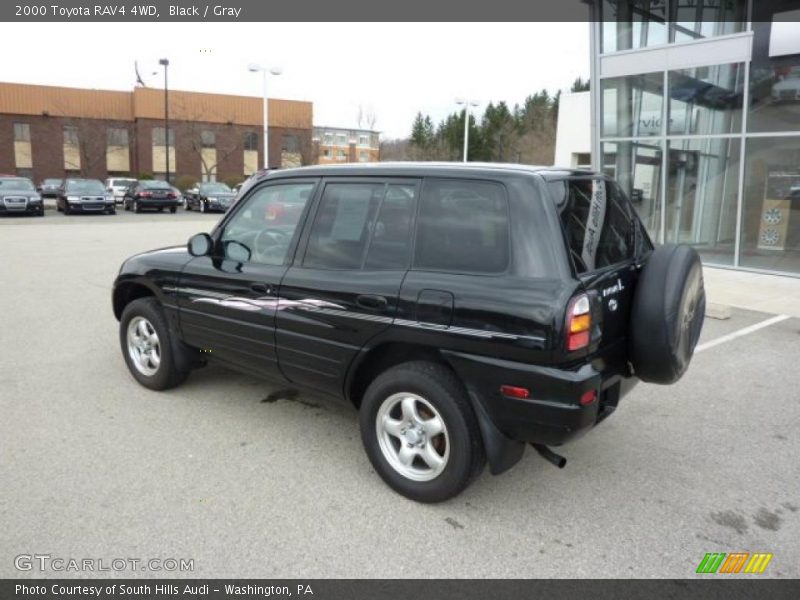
(393, 69)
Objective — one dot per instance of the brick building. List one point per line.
(337, 145)
(55, 132)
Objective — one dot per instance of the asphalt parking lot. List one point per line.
(94, 465)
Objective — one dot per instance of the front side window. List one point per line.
(462, 227)
(262, 230)
(597, 220)
(342, 228)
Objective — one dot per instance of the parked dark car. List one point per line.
(464, 310)
(49, 188)
(19, 196)
(207, 197)
(151, 194)
(84, 196)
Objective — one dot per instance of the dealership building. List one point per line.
(56, 132)
(695, 110)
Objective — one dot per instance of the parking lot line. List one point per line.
(741, 332)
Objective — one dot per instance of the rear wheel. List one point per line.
(136, 208)
(420, 433)
(147, 345)
(172, 209)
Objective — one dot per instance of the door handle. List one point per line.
(372, 302)
(261, 288)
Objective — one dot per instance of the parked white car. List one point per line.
(116, 186)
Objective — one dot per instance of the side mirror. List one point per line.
(199, 244)
(237, 251)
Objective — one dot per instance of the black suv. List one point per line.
(464, 310)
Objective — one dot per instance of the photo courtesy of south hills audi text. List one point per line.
(122, 590)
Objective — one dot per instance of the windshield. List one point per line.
(17, 183)
(123, 182)
(155, 185)
(84, 186)
(51, 182)
(215, 188)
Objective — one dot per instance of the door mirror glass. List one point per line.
(199, 244)
(237, 251)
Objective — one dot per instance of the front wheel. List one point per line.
(420, 432)
(146, 345)
(172, 209)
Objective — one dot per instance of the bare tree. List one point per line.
(206, 136)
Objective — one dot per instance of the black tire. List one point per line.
(125, 205)
(440, 387)
(172, 209)
(167, 375)
(136, 207)
(160, 209)
(667, 315)
(66, 210)
(112, 211)
(40, 213)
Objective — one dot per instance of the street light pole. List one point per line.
(265, 71)
(165, 63)
(467, 104)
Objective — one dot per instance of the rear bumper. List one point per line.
(553, 413)
(159, 203)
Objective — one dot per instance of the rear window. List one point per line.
(462, 227)
(597, 220)
(155, 185)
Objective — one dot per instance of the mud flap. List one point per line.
(502, 453)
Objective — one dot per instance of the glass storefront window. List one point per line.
(771, 205)
(706, 100)
(636, 166)
(696, 19)
(632, 105)
(702, 192)
(628, 25)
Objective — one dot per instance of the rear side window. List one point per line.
(597, 221)
(462, 227)
(342, 226)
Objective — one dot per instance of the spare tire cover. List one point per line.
(669, 306)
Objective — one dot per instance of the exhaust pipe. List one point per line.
(550, 456)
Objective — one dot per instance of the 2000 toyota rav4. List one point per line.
(464, 310)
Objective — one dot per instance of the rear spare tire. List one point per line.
(667, 315)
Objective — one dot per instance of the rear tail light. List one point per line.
(579, 323)
(146, 194)
(171, 195)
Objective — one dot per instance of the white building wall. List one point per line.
(574, 131)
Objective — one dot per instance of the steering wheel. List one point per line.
(270, 245)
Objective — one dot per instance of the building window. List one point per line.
(341, 155)
(341, 139)
(706, 100)
(770, 215)
(158, 136)
(363, 156)
(632, 105)
(328, 139)
(70, 135)
(27, 172)
(251, 141)
(290, 143)
(22, 132)
(208, 139)
(363, 140)
(698, 19)
(702, 191)
(636, 166)
(326, 153)
(627, 25)
(117, 136)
